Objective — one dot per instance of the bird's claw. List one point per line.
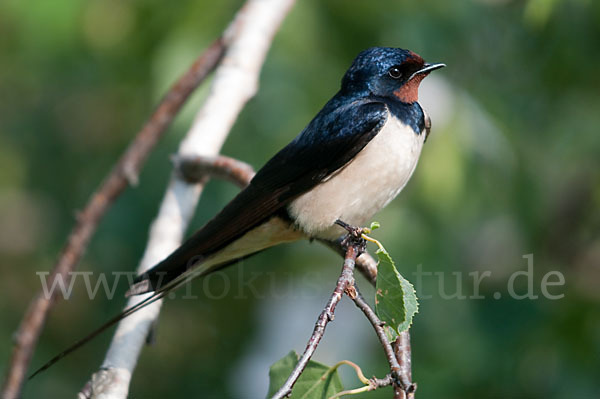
(354, 236)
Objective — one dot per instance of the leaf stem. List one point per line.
(371, 239)
(356, 367)
(366, 388)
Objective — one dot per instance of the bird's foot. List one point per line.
(354, 236)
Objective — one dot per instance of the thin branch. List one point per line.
(247, 39)
(403, 353)
(367, 266)
(378, 326)
(195, 169)
(399, 374)
(365, 263)
(345, 283)
(381, 382)
(123, 173)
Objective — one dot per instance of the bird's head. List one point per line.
(388, 72)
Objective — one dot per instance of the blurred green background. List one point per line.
(511, 168)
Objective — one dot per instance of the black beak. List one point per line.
(426, 69)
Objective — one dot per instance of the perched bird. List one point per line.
(351, 160)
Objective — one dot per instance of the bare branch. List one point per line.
(381, 382)
(247, 39)
(401, 375)
(365, 263)
(195, 169)
(345, 283)
(123, 173)
(402, 352)
(378, 326)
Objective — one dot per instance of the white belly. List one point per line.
(364, 186)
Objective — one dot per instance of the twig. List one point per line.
(365, 263)
(367, 266)
(382, 382)
(248, 39)
(399, 374)
(345, 283)
(378, 326)
(123, 173)
(195, 169)
(402, 350)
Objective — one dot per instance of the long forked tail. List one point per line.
(179, 268)
(151, 299)
(161, 292)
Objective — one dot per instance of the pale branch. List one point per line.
(125, 172)
(247, 40)
(345, 283)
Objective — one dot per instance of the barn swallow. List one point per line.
(351, 160)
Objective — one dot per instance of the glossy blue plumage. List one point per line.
(337, 133)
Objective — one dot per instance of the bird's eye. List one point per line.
(395, 72)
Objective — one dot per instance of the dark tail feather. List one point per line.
(99, 330)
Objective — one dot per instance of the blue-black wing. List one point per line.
(329, 142)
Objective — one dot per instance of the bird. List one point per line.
(350, 161)
(353, 158)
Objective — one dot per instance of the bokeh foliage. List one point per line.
(512, 167)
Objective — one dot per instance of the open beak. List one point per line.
(426, 69)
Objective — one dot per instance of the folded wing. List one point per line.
(328, 143)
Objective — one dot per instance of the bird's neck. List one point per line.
(410, 114)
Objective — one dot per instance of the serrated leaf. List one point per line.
(317, 381)
(395, 298)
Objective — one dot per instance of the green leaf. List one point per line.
(375, 226)
(395, 297)
(317, 381)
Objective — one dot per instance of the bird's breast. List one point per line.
(362, 187)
